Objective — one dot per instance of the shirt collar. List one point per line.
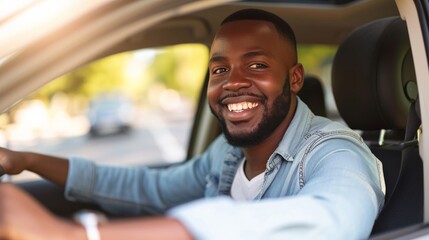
(296, 131)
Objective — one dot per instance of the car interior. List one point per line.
(377, 96)
(374, 83)
(313, 94)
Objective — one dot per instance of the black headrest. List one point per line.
(373, 78)
(312, 94)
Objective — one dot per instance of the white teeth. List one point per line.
(239, 107)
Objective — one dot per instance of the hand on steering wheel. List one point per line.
(2, 174)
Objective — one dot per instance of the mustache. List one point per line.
(231, 95)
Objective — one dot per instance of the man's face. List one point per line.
(249, 89)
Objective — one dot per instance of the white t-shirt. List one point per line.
(243, 189)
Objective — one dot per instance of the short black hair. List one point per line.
(281, 25)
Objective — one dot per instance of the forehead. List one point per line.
(246, 26)
(247, 33)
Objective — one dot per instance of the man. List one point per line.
(278, 171)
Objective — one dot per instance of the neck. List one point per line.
(257, 156)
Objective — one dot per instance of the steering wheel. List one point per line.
(3, 177)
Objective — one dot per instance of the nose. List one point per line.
(237, 79)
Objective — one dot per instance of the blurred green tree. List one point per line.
(316, 59)
(181, 68)
(100, 76)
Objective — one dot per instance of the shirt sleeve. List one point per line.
(341, 199)
(281, 218)
(136, 190)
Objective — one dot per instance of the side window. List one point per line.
(317, 61)
(133, 108)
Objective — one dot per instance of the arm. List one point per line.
(145, 228)
(21, 217)
(136, 190)
(52, 168)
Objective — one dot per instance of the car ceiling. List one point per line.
(314, 23)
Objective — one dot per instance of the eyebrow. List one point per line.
(255, 54)
(219, 58)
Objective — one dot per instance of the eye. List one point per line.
(219, 70)
(257, 65)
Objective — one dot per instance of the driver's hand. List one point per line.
(12, 162)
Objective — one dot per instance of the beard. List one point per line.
(270, 121)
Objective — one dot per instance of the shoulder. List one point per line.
(328, 139)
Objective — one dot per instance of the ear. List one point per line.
(296, 79)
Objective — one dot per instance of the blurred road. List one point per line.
(155, 139)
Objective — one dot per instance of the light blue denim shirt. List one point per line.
(321, 182)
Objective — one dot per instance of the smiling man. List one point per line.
(278, 171)
(251, 85)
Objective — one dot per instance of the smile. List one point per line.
(239, 107)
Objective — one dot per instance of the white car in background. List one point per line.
(110, 113)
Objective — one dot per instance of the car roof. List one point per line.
(314, 22)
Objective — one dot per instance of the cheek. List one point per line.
(271, 89)
(213, 92)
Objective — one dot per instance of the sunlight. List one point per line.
(9, 8)
(32, 19)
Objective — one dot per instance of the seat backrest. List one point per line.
(313, 95)
(374, 83)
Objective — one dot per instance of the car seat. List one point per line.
(313, 95)
(374, 86)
